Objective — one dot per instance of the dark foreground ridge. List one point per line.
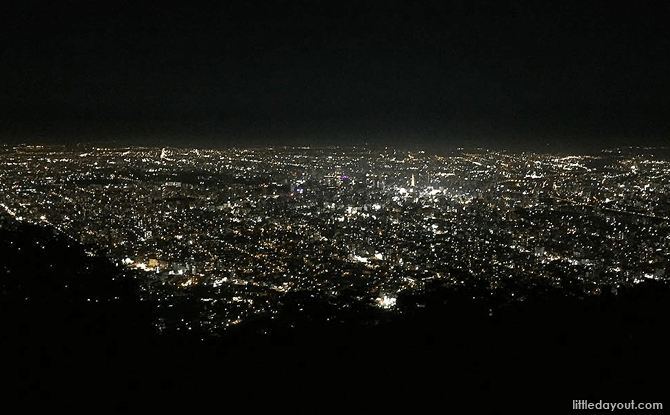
(76, 335)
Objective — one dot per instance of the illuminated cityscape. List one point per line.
(234, 231)
(379, 206)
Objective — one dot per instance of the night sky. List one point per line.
(557, 75)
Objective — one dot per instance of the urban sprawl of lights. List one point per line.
(239, 229)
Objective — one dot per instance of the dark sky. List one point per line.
(501, 74)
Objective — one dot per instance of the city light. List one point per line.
(246, 227)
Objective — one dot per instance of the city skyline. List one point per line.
(435, 204)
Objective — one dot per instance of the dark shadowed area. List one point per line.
(77, 335)
(549, 75)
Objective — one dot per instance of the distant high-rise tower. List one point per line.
(413, 180)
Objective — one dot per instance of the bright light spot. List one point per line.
(360, 258)
(143, 267)
(219, 282)
(386, 302)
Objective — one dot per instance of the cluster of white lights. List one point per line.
(386, 302)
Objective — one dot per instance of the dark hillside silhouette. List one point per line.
(76, 333)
